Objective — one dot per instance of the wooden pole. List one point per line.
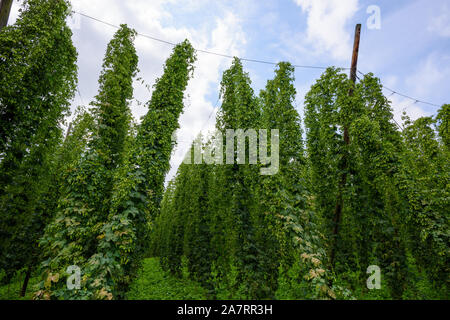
(5, 9)
(344, 166)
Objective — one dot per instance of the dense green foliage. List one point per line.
(424, 182)
(153, 283)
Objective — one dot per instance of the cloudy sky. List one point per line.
(410, 52)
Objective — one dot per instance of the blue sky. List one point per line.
(410, 52)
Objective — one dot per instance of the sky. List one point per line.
(406, 45)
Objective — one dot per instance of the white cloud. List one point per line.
(440, 24)
(327, 21)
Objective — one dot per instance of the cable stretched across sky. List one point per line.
(252, 60)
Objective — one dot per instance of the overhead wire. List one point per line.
(393, 92)
(202, 50)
